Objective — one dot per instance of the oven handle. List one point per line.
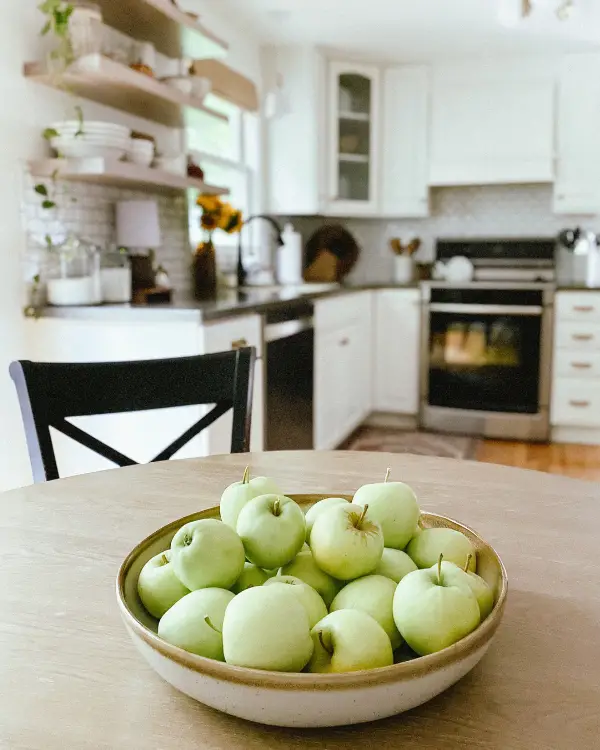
(520, 310)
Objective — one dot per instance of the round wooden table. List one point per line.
(70, 677)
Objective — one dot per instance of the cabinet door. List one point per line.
(405, 189)
(354, 123)
(331, 389)
(577, 186)
(493, 123)
(397, 351)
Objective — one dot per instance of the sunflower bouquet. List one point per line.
(216, 214)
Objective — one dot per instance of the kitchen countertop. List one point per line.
(229, 304)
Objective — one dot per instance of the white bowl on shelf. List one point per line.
(91, 127)
(174, 164)
(79, 148)
(201, 87)
(181, 83)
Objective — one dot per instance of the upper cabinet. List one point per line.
(405, 142)
(493, 123)
(577, 187)
(353, 139)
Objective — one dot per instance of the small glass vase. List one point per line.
(204, 271)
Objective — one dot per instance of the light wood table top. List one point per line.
(70, 677)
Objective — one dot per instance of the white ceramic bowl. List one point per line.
(67, 127)
(299, 699)
(201, 87)
(79, 148)
(181, 83)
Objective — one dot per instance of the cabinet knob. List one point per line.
(239, 344)
(344, 342)
(582, 337)
(580, 404)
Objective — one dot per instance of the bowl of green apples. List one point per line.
(312, 610)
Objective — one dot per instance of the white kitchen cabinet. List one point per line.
(343, 362)
(577, 186)
(405, 142)
(354, 113)
(397, 322)
(295, 130)
(493, 122)
(575, 412)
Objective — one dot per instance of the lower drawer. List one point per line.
(571, 363)
(576, 401)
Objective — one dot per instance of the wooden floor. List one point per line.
(577, 461)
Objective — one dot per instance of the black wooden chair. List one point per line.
(51, 393)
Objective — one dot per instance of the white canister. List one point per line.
(404, 269)
(116, 284)
(290, 257)
(72, 291)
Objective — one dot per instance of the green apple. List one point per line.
(239, 493)
(251, 575)
(266, 627)
(318, 508)
(307, 596)
(431, 613)
(273, 530)
(349, 640)
(195, 622)
(426, 547)
(345, 542)
(394, 506)
(395, 564)
(374, 595)
(455, 576)
(304, 567)
(207, 554)
(158, 586)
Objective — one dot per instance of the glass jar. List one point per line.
(86, 29)
(74, 274)
(115, 276)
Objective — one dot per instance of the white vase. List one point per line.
(404, 269)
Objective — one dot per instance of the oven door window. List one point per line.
(484, 363)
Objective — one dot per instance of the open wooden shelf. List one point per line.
(105, 81)
(119, 173)
(172, 31)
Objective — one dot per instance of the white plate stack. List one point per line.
(96, 139)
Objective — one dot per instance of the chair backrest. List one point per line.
(49, 394)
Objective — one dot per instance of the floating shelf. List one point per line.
(354, 158)
(119, 173)
(356, 116)
(105, 81)
(172, 31)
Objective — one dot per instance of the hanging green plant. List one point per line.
(58, 13)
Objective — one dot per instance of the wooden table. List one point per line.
(70, 678)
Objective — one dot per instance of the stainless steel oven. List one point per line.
(486, 355)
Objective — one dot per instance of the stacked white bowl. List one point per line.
(141, 152)
(95, 139)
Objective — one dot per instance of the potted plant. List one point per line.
(216, 214)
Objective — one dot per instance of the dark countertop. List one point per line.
(229, 304)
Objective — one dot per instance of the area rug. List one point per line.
(388, 440)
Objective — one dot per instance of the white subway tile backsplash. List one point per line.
(88, 211)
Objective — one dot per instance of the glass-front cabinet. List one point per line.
(353, 132)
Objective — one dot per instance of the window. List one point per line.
(228, 152)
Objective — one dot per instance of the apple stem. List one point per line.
(441, 557)
(246, 477)
(387, 474)
(276, 507)
(362, 517)
(208, 621)
(164, 560)
(469, 558)
(322, 642)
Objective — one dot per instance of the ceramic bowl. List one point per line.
(299, 699)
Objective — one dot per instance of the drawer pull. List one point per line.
(582, 336)
(580, 404)
(239, 344)
(581, 365)
(584, 308)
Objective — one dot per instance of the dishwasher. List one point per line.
(289, 342)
